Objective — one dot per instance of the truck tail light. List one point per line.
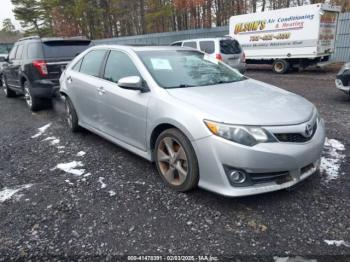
(243, 58)
(218, 57)
(41, 66)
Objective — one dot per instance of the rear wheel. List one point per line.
(71, 116)
(8, 92)
(34, 103)
(280, 66)
(176, 160)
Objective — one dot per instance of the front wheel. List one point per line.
(176, 160)
(7, 91)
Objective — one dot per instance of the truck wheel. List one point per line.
(280, 66)
(34, 103)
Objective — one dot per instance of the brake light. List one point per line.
(41, 66)
(243, 58)
(218, 57)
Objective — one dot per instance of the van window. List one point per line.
(230, 46)
(192, 44)
(207, 46)
(92, 62)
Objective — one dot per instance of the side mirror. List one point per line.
(132, 83)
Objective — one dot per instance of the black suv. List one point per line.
(34, 67)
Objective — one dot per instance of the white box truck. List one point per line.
(288, 38)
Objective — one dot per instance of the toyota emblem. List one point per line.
(308, 130)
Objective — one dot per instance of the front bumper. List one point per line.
(341, 87)
(214, 153)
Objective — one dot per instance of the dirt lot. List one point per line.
(118, 204)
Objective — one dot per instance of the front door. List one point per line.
(123, 112)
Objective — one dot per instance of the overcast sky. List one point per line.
(6, 12)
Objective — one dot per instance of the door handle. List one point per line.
(69, 79)
(101, 90)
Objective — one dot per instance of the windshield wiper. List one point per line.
(181, 86)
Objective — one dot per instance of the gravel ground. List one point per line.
(116, 204)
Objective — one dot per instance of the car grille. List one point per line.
(295, 137)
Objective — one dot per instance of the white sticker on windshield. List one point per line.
(161, 64)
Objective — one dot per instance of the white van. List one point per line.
(225, 49)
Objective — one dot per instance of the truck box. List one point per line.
(296, 36)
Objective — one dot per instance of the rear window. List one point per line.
(64, 49)
(230, 46)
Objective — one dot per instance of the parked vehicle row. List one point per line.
(202, 122)
(34, 67)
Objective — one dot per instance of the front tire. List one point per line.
(71, 116)
(8, 92)
(176, 160)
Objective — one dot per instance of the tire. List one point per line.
(34, 103)
(71, 116)
(178, 166)
(8, 92)
(280, 66)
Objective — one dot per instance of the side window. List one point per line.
(35, 50)
(77, 66)
(119, 65)
(92, 61)
(207, 46)
(192, 44)
(12, 54)
(19, 52)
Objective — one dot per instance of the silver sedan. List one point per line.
(202, 122)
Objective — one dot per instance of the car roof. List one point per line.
(143, 48)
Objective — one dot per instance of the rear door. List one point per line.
(58, 53)
(231, 52)
(82, 83)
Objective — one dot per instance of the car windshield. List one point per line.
(182, 69)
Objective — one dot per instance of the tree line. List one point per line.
(113, 18)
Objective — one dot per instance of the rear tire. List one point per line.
(71, 116)
(34, 103)
(176, 160)
(8, 92)
(280, 66)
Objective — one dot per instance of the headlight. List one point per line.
(245, 135)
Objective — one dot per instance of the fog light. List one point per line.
(237, 177)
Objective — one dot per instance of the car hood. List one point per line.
(247, 102)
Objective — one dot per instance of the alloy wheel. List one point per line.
(172, 161)
(28, 97)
